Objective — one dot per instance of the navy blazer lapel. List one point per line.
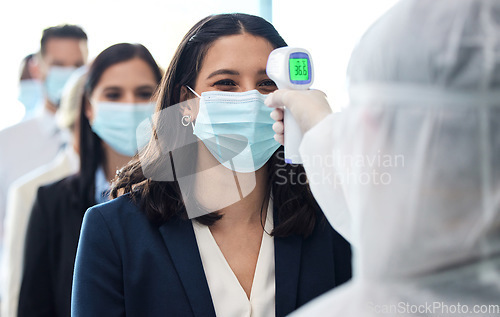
(179, 237)
(287, 267)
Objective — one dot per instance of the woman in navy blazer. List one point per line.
(121, 73)
(140, 254)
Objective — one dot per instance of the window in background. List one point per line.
(157, 24)
(329, 30)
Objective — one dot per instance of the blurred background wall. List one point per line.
(328, 29)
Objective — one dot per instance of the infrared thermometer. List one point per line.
(291, 68)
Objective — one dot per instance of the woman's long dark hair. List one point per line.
(162, 200)
(91, 152)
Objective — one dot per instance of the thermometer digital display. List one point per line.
(291, 68)
(299, 68)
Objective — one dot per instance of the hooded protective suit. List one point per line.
(414, 164)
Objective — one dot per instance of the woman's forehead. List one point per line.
(244, 52)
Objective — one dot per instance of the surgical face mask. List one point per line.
(55, 81)
(236, 128)
(30, 94)
(116, 124)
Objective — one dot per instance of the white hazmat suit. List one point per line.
(414, 165)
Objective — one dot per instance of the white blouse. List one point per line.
(228, 297)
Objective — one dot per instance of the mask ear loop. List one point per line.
(187, 119)
(194, 92)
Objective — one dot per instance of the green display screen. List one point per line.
(299, 69)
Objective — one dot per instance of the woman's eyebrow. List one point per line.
(112, 88)
(145, 87)
(223, 72)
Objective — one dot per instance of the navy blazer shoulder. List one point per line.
(125, 265)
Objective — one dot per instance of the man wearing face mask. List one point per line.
(36, 141)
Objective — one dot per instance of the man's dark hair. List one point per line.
(61, 31)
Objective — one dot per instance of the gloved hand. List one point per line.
(308, 107)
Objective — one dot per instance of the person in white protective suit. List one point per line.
(416, 159)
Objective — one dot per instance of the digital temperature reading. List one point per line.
(291, 68)
(299, 69)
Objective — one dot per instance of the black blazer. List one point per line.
(51, 242)
(127, 266)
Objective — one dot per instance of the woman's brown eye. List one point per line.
(145, 94)
(225, 82)
(267, 86)
(113, 96)
(268, 83)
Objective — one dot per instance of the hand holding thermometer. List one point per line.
(291, 68)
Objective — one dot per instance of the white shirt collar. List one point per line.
(228, 296)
